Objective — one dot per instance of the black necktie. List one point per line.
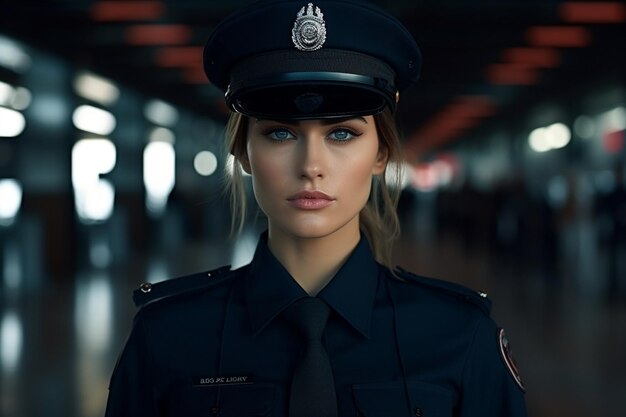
(312, 386)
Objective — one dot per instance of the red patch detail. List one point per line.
(507, 356)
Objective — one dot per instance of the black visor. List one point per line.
(310, 100)
(329, 84)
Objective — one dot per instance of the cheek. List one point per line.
(356, 181)
(359, 169)
(269, 171)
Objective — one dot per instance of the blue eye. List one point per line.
(280, 134)
(342, 135)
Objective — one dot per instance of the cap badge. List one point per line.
(309, 30)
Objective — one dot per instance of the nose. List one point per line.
(313, 158)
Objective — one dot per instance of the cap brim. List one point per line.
(305, 85)
(310, 99)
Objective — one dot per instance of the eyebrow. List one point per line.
(325, 122)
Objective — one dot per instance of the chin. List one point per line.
(314, 228)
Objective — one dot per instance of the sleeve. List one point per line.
(131, 392)
(491, 385)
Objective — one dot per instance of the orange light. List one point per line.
(464, 113)
(118, 11)
(195, 76)
(533, 57)
(511, 74)
(593, 12)
(158, 34)
(470, 107)
(179, 56)
(558, 36)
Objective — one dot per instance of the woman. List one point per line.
(317, 324)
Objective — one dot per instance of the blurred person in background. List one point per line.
(611, 211)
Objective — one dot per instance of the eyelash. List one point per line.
(269, 133)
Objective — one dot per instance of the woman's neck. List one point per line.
(313, 262)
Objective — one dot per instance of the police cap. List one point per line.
(290, 59)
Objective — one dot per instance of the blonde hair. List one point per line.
(378, 219)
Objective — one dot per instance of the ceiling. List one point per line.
(485, 61)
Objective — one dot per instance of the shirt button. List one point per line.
(215, 410)
(146, 287)
(417, 412)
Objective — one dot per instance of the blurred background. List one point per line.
(112, 168)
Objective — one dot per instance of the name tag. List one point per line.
(223, 380)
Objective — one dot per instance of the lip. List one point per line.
(310, 200)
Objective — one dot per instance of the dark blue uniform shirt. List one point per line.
(399, 346)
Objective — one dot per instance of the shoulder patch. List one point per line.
(477, 298)
(148, 293)
(506, 352)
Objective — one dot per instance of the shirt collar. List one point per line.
(269, 288)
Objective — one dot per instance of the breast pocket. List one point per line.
(388, 399)
(245, 400)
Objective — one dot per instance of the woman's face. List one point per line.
(312, 178)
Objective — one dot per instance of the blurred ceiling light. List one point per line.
(160, 113)
(161, 134)
(445, 172)
(538, 141)
(95, 205)
(90, 159)
(470, 106)
(94, 120)
(558, 135)
(613, 142)
(463, 113)
(117, 11)
(205, 163)
(511, 74)
(11, 337)
(179, 56)
(12, 123)
(533, 57)
(10, 201)
(593, 12)
(12, 56)
(614, 119)
(96, 88)
(94, 197)
(584, 127)
(93, 314)
(544, 139)
(21, 98)
(6, 93)
(558, 36)
(158, 34)
(159, 175)
(18, 98)
(425, 178)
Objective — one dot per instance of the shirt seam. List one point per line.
(470, 352)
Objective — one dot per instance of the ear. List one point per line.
(381, 160)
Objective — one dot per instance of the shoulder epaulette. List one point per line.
(477, 298)
(148, 293)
